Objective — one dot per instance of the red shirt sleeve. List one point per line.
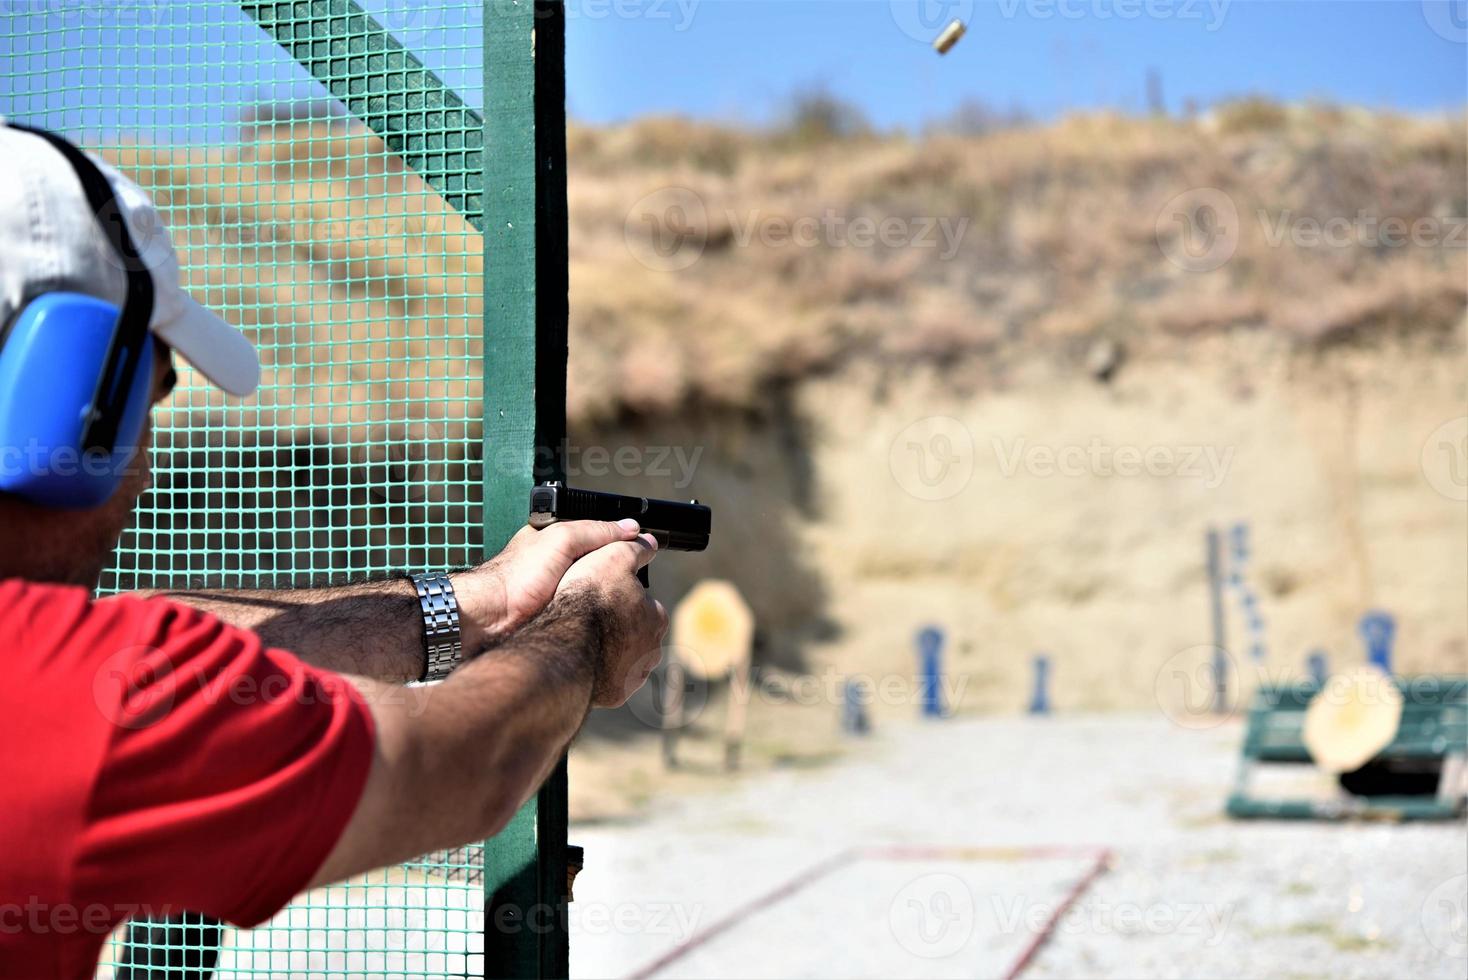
(229, 771)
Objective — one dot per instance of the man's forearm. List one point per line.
(455, 760)
(370, 629)
(502, 722)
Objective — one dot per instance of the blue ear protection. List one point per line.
(76, 374)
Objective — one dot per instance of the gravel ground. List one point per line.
(1188, 893)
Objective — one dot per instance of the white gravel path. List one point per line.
(1189, 893)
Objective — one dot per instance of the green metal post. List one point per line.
(525, 313)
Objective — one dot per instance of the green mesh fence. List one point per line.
(351, 257)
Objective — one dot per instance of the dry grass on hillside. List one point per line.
(313, 230)
(1060, 246)
(795, 365)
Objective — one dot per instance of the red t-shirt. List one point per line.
(155, 760)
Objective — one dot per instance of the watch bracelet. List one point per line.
(442, 639)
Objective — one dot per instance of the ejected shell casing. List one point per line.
(949, 37)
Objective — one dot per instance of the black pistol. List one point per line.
(676, 526)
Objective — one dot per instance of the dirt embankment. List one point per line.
(1024, 437)
(1119, 331)
(1063, 515)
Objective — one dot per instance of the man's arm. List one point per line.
(375, 629)
(369, 629)
(454, 761)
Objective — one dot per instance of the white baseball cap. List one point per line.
(50, 241)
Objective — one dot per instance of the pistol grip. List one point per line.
(644, 578)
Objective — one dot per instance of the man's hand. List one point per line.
(505, 592)
(631, 622)
(375, 629)
(455, 760)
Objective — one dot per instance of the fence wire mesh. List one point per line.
(361, 287)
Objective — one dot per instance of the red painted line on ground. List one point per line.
(901, 852)
(811, 874)
(1103, 860)
(1038, 852)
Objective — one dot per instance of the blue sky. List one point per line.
(740, 59)
(189, 70)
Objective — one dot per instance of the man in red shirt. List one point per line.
(221, 752)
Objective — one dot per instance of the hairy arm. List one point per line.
(454, 761)
(368, 629)
(375, 629)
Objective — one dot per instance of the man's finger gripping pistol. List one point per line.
(676, 526)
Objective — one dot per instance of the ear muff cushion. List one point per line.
(49, 365)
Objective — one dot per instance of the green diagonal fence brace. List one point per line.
(419, 117)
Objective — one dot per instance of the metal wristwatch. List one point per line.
(443, 647)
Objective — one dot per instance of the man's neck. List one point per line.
(58, 547)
